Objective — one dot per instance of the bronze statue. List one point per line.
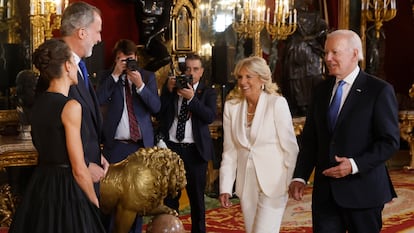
(153, 19)
(26, 81)
(304, 51)
(139, 184)
(372, 58)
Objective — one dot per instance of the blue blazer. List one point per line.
(366, 130)
(203, 111)
(111, 100)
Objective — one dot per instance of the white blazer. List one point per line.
(272, 146)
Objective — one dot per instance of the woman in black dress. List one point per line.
(60, 197)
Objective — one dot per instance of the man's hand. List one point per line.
(119, 67)
(186, 93)
(171, 83)
(224, 199)
(97, 172)
(135, 77)
(105, 165)
(296, 189)
(343, 169)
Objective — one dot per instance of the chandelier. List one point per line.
(284, 21)
(378, 11)
(251, 16)
(249, 20)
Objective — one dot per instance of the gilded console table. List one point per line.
(406, 133)
(14, 152)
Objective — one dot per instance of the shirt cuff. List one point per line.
(299, 180)
(355, 169)
(139, 90)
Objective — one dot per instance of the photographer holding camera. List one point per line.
(128, 98)
(188, 106)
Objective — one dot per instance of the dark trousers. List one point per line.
(117, 153)
(331, 218)
(196, 172)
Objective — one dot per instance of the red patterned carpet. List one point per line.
(398, 214)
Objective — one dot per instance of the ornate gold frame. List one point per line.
(189, 25)
(343, 14)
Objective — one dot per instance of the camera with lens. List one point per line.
(182, 80)
(131, 64)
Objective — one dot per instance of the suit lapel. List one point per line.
(199, 91)
(324, 101)
(84, 92)
(353, 97)
(240, 127)
(259, 116)
(86, 95)
(256, 123)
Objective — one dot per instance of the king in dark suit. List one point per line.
(196, 146)
(120, 139)
(351, 182)
(81, 29)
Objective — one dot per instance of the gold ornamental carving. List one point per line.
(9, 117)
(407, 129)
(7, 205)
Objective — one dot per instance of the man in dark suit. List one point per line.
(81, 29)
(348, 147)
(193, 141)
(119, 140)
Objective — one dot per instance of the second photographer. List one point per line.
(128, 98)
(188, 106)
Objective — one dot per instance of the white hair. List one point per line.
(352, 38)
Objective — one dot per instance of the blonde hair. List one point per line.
(256, 65)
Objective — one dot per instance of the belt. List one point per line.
(182, 145)
(126, 141)
(54, 165)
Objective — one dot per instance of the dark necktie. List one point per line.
(182, 118)
(335, 104)
(134, 131)
(85, 73)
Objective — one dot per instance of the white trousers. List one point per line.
(262, 214)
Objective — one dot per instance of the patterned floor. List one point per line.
(398, 214)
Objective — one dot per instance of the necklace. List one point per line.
(250, 113)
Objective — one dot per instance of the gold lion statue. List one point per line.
(139, 184)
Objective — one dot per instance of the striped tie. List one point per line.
(133, 123)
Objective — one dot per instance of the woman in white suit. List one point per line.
(260, 147)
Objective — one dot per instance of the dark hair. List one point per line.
(77, 15)
(48, 58)
(125, 46)
(194, 57)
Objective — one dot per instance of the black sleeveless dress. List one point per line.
(53, 202)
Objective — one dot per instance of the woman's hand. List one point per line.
(224, 199)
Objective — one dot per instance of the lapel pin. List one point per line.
(358, 90)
